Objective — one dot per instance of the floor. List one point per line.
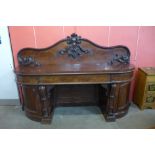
(12, 117)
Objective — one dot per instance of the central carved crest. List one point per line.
(74, 49)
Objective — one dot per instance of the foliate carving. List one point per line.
(74, 49)
(125, 59)
(44, 100)
(122, 58)
(27, 61)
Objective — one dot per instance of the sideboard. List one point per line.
(74, 72)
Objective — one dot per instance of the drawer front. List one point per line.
(151, 79)
(121, 77)
(63, 79)
(150, 87)
(149, 99)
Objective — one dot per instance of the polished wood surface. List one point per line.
(74, 72)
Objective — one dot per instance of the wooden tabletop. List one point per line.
(74, 69)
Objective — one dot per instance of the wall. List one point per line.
(7, 77)
(139, 39)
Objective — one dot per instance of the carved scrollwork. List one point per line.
(74, 49)
(125, 59)
(122, 58)
(27, 61)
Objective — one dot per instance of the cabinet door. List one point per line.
(123, 96)
(32, 100)
(38, 102)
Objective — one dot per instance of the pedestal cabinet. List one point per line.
(74, 72)
(144, 95)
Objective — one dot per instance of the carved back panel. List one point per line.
(74, 51)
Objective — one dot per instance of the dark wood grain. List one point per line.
(56, 76)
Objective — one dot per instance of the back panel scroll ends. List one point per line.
(74, 51)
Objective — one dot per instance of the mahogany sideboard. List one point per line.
(74, 72)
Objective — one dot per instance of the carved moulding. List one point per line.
(44, 99)
(27, 61)
(74, 49)
(124, 59)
